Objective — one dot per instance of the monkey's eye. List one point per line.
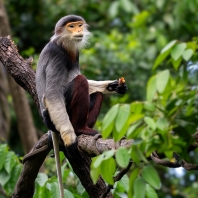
(80, 25)
(71, 26)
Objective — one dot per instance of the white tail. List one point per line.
(55, 139)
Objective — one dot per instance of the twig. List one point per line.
(117, 178)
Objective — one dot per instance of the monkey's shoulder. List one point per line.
(52, 49)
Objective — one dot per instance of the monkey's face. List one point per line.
(76, 30)
(72, 35)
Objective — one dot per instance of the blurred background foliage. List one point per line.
(127, 38)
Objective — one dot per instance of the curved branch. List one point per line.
(178, 162)
(19, 68)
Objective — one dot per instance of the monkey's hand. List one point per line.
(118, 86)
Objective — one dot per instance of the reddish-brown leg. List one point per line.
(95, 106)
(79, 106)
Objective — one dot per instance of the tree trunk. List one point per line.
(4, 106)
(25, 123)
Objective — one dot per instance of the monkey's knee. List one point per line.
(81, 81)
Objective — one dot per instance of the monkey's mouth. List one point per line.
(78, 37)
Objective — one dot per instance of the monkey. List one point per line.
(69, 102)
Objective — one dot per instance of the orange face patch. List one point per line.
(75, 27)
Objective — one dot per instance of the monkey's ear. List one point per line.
(58, 30)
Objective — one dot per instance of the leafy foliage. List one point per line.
(10, 169)
(163, 123)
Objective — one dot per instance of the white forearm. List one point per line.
(99, 86)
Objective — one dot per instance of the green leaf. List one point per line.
(122, 117)
(108, 154)
(108, 121)
(169, 46)
(126, 5)
(136, 107)
(124, 182)
(187, 54)
(14, 178)
(160, 59)
(95, 173)
(55, 192)
(162, 80)
(162, 124)
(108, 168)
(192, 45)
(68, 194)
(151, 88)
(139, 187)
(131, 131)
(62, 156)
(107, 131)
(122, 157)
(132, 178)
(149, 106)
(3, 153)
(150, 175)
(113, 10)
(41, 179)
(176, 63)
(178, 50)
(150, 122)
(9, 161)
(4, 177)
(135, 117)
(97, 161)
(134, 155)
(117, 135)
(164, 53)
(137, 155)
(150, 192)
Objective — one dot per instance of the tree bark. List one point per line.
(4, 106)
(25, 123)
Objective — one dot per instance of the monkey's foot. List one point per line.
(86, 131)
(72, 149)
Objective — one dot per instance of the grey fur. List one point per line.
(66, 19)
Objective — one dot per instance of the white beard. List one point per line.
(68, 42)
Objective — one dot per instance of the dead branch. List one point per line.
(176, 164)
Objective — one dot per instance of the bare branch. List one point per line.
(178, 162)
(185, 164)
(19, 68)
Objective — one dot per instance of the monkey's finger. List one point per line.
(121, 89)
(112, 86)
